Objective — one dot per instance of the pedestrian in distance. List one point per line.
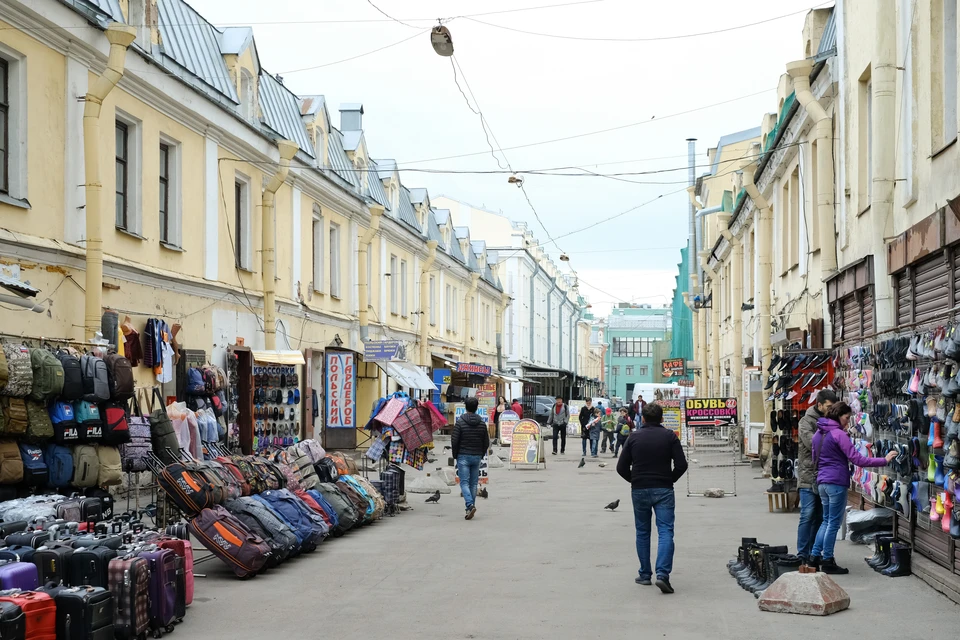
(517, 408)
(833, 452)
(559, 418)
(594, 427)
(586, 413)
(811, 509)
(470, 443)
(652, 461)
(608, 425)
(499, 409)
(624, 428)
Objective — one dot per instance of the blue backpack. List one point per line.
(34, 469)
(195, 383)
(349, 481)
(59, 461)
(296, 515)
(326, 506)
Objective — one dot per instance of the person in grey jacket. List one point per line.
(811, 509)
(558, 418)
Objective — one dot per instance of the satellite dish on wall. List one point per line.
(442, 41)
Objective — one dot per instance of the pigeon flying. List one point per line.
(583, 462)
(434, 498)
(613, 505)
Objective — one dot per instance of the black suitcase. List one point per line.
(53, 563)
(84, 613)
(13, 623)
(106, 501)
(91, 509)
(89, 567)
(180, 605)
(6, 528)
(178, 530)
(35, 539)
(111, 541)
(17, 553)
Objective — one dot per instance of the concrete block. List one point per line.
(427, 484)
(811, 594)
(713, 493)
(494, 461)
(448, 474)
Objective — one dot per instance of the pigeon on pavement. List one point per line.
(613, 505)
(434, 498)
(583, 463)
(602, 465)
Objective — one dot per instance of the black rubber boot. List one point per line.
(886, 546)
(901, 565)
(779, 566)
(751, 557)
(883, 552)
(760, 576)
(736, 565)
(754, 568)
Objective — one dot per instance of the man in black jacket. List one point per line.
(470, 443)
(645, 463)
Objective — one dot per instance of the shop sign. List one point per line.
(541, 374)
(526, 446)
(672, 415)
(674, 367)
(710, 412)
(685, 383)
(474, 368)
(341, 385)
(508, 422)
(440, 378)
(382, 350)
(459, 410)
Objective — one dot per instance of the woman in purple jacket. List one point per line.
(832, 454)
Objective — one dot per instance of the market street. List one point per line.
(542, 558)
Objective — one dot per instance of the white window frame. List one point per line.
(16, 127)
(334, 251)
(448, 307)
(174, 193)
(394, 277)
(248, 96)
(629, 370)
(433, 302)
(243, 249)
(404, 310)
(318, 237)
(134, 175)
(643, 370)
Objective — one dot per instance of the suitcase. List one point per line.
(53, 563)
(90, 567)
(180, 605)
(91, 509)
(13, 624)
(40, 613)
(6, 528)
(178, 530)
(35, 539)
(163, 588)
(18, 575)
(106, 501)
(227, 538)
(184, 550)
(84, 613)
(111, 541)
(130, 586)
(17, 553)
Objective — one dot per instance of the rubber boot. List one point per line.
(877, 551)
(901, 564)
(938, 476)
(935, 427)
(930, 435)
(947, 511)
(769, 574)
(736, 565)
(954, 524)
(883, 543)
(761, 574)
(781, 565)
(931, 468)
(751, 569)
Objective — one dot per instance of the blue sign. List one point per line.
(381, 349)
(440, 377)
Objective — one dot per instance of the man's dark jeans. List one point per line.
(560, 431)
(811, 516)
(662, 503)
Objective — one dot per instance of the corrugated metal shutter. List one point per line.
(931, 279)
(904, 298)
(868, 312)
(851, 317)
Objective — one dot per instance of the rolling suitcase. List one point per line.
(230, 540)
(6, 528)
(180, 604)
(18, 575)
(163, 588)
(40, 614)
(53, 563)
(130, 586)
(35, 539)
(184, 550)
(90, 567)
(84, 613)
(13, 624)
(17, 554)
(111, 541)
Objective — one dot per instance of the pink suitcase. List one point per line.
(184, 549)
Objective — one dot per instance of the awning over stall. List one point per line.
(408, 375)
(279, 357)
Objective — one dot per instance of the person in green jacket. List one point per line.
(608, 422)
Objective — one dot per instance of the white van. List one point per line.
(653, 391)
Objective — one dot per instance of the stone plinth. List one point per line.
(811, 594)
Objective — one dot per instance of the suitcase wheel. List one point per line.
(169, 628)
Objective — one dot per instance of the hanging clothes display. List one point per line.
(405, 427)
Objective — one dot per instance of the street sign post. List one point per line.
(508, 422)
(710, 412)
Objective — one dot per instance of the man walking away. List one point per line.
(470, 443)
(652, 461)
(516, 408)
(811, 509)
(558, 418)
(586, 415)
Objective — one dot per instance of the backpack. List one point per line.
(11, 464)
(34, 469)
(59, 461)
(111, 471)
(116, 429)
(39, 426)
(344, 464)
(303, 467)
(19, 371)
(347, 514)
(210, 382)
(72, 377)
(296, 515)
(96, 383)
(86, 466)
(47, 375)
(119, 377)
(15, 417)
(283, 540)
(312, 449)
(134, 453)
(326, 470)
(195, 383)
(329, 513)
(4, 376)
(89, 424)
(65, 429)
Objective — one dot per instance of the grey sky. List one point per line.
(533, 88)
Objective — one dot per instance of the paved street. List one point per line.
(542, 558)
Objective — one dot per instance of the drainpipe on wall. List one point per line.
(119, 36)
(376, 211)
(504, 303)
(549, 323)
(714, 379)
(424, 301)
(288, 149)
(884, 81)
(736, 284)
(467, 316)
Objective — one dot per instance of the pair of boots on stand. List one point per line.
(758, 565)
(890, 558)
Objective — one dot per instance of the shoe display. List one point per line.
(901, 561)
(882, 555)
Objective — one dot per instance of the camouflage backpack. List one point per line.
(19, 371)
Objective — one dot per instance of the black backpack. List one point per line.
(72, 378)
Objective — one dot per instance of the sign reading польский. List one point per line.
(710, 412)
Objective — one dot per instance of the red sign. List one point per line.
(685, 383)
(341, 401)
(474, 368)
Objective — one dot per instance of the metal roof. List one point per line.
(385, 168)
(351, 140)
(281, 112)
(235, 40)
(420, 195)
(461, 232)
(339, 162)
(454, 250)
(194, 44)
(479, 246)
(17, 286)
(109, 7)
(311, 105)
(732, 138)
(406, 213)
(375, 187)
(433, 230)
(828, 40)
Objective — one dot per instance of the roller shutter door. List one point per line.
(931, 288)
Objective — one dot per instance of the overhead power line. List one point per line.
(397, 20)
